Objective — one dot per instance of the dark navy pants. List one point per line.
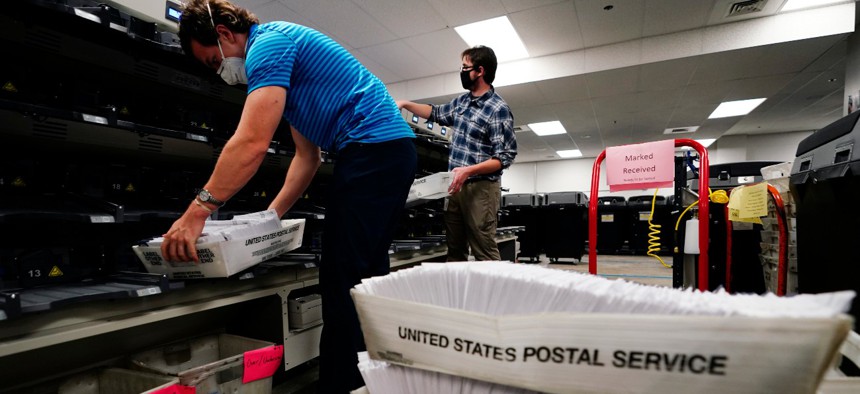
(367, 196)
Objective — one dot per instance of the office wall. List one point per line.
(575, 174)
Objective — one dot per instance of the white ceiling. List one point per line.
(611, 77)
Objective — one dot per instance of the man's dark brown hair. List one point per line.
(195, 23)
(485, 57)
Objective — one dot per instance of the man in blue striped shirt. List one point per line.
(332, 103)
(482, 146)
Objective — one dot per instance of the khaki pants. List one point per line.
(470, 220)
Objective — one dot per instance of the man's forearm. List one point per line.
(299, 177)
(422, 110)
(237, 164)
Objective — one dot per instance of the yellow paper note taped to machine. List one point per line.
(748, 202)
(734, 215)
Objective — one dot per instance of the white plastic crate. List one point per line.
(772, 251)
(212, 364)
(772, 237)
(773, 261)
(115, 381)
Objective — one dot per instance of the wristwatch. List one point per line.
(205, 196)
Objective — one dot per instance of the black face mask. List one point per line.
(466, 81)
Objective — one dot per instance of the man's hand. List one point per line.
(180, 242)
(461, 174)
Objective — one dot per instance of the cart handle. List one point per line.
(704, 176)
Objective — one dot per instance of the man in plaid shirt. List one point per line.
(482, 146)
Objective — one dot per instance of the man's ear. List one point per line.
(225, 33)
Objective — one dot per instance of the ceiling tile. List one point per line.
(612, 82)
(440, 48)
(520, 5)
(653, 121)
(830, 58)
(404, 18)
(690, 115)
(523, 95)
(710, 93)
(758, 87)
(667, 75)
(526, 115)
(667, 16)
(563, 89)
(654, 100)
(600, 27)
(381, 72)
(343, 19)
(548, 30)
(457, 13)
(718, 126)
(399, 56)
(726, 66)
(251, 4)
(672, 46)
(553, 140)
(616, 106)
(277, 11)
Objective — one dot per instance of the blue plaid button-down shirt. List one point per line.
(483, 128)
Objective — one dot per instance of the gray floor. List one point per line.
(639, 269)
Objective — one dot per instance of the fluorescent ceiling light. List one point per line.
(565, 154)
(497, 33)
(792, 5)
(547, 128)
(706, 142)
(735, 108)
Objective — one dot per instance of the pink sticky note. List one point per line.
(641, 166)
(176, 389)
(262, 363)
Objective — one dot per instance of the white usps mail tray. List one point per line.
(430, 187)
(225, 258)
(605, 353)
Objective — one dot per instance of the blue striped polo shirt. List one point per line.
(332, 99)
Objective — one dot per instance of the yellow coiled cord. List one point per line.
(720, 197)
(654, 234)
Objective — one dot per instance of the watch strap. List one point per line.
(211, 199)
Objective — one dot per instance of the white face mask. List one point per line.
(232, 69)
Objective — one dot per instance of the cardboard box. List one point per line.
(221, 363)
(430, 187)
(567, 352)
(305, 312)
(225, 258)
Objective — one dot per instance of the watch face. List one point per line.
(204, 195)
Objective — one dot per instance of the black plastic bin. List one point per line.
(564, 225)
(640, 208)
(825, 183)
(522, 210)
(614, 220)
